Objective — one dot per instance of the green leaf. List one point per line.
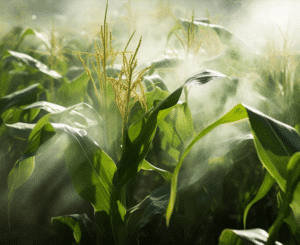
(266, 185)
(46, 106)
(74, 92)
(154, 81)
(20, 130)
(149, 167)
(91, 169)
(244, 237)
(140, 134)
(275, 143)
(76, 228)
(141, 214)
(21, 97)
(29, 61)
(164, 63)
(17, 176)
(204, 77)
(152, 97)
(236, 114)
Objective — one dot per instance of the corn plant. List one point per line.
(115, 125)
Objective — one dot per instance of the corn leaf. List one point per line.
(21, 97)
(275, 143)
(76, 228)
(244, 237)
(266, 185)
(140, 134)
(29, 61)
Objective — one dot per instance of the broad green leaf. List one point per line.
(244, 237)
(21, 97)
(74, 92)
(47, 106)
(140, 134)
(17, 176)
(41, 133)
(141, 214)
(266, 185)
(20, 130)
(76, 228)
(29, 61)
(174, 132)
(44, 130)
(275, 143)
(91, 169)
(236, 114)
(20, 173)
(149, 167)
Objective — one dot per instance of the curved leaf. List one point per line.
(140, 134)
(76, 228)
(20, 130)
(91, 169)
(275, 143)
(21, 97)
(141, 214)
(18, 176)
(236, 114)
(151, 82)
(45, 105)
(266, 185)
(164, 63)
(29, 61)
(149, 167)
(244, 237)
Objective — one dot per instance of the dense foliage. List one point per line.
(149, 167)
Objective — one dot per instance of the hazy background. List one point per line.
(254, 22)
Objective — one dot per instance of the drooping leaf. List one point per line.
(149, 167)
(76, 228)
(204, 77)
(91, 169)
(20, 130)
(45, 105)
(275, 143)
(141, 214)
(244, 237)
(29, 61)
(21, 97)
(164, 63)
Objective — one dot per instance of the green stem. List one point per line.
(273, 232)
